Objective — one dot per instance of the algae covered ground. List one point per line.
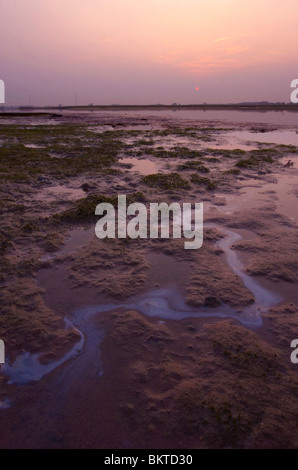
(197, 382)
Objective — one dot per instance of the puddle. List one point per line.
(172, 141)
(51, 193)
(142, 166)
(34, 146)
(27, 368)
(124, 127)
(40, 122)
(5, 404)
(75, 240)
(275, 137)
(242, 140)
(281, 194)
(232, 144)
(29, 122)
(137, 127)
(166, 142)
(101, 129)
(165, 270)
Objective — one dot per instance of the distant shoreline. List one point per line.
(235, 107)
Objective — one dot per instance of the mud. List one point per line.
(162, 346)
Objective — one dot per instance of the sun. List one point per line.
(197, 88)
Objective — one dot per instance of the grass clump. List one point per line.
(258, 158)
(203, 180)
(170, 181)
(232, 171)
(5, 242)
(179, 131)
(42, 135)
(268, 152)
(57, 159)
(254, 161)
(288, 148)
(176, 152)
(144, 142)
(226, 153)
(193, 165)
(84, 209)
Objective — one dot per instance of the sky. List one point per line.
(147, 51)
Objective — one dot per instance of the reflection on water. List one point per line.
(286, 118)
(276, 137)
(5, 404)
(34, 146)
(277, 117)
(165, 303)
(168, 303)
(101, 129)
(281, 193)
(142, 166)
(231, 143)
(76, 239)
(50, 193)
(27, 368)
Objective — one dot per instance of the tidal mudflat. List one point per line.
(130, 343)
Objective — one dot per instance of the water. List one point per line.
(283, 118)
(280, 194)
(27, 368)
(283, 137)
(5, 404)
(77, 237)
(34, 146)
(274, 117)
(51, 193)
(165, 303)
(143, 166)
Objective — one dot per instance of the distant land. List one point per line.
(259, 105)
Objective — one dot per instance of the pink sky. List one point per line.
(149, 51)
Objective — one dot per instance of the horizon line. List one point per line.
(244, 104)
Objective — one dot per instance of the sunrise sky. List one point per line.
(147, 51)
